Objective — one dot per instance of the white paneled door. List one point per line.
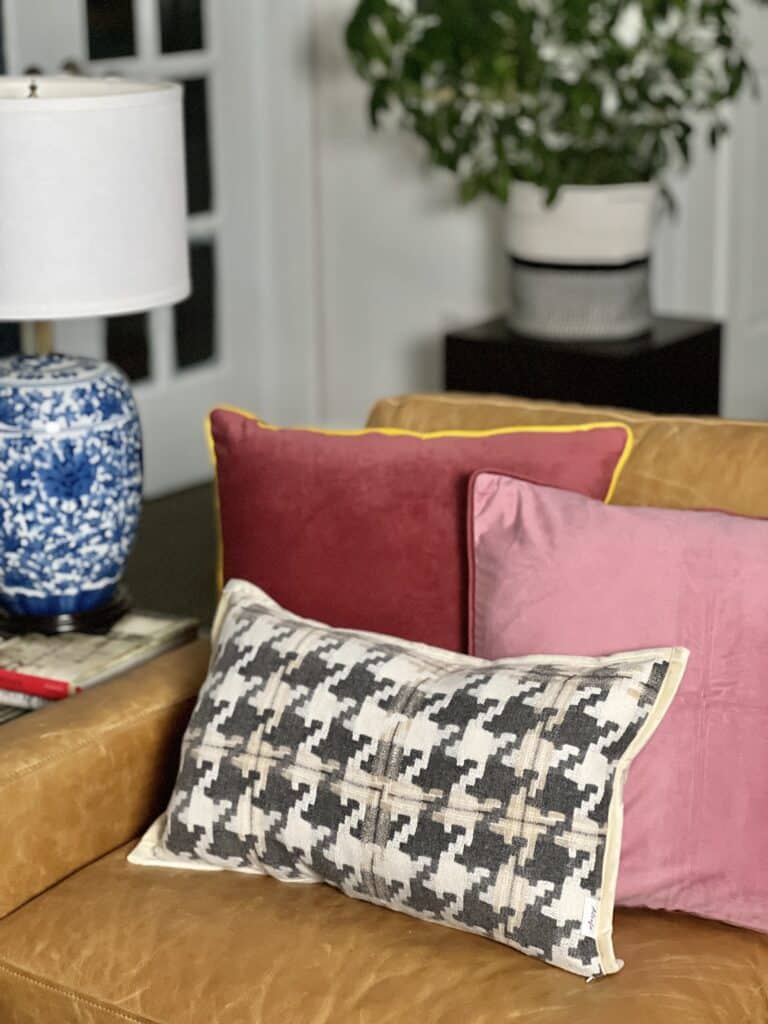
(206, 350)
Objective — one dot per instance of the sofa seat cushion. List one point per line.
(117, 942)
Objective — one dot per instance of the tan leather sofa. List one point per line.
(87, 938)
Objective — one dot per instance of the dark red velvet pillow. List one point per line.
(367, 529)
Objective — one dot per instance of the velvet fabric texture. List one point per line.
(367, 530)
(554, 572)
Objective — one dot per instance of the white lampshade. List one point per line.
(92, 197)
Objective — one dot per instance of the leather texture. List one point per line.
(118, 942)
(87, 774)
(676, 462)
(114, 942)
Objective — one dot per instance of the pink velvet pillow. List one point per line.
(367, 529)
(553, 572)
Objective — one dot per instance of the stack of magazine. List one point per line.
(37, 670)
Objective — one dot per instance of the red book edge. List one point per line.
(36, 686)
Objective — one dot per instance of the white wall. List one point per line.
(744, 251)
(390, 260)
(712, 258)
(396, 260)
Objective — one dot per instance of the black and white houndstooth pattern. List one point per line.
(471, 793)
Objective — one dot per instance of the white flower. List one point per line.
(406, 7)
(548, 51)
(703, 38)
(471, 112)
(609, 100)
(465, 166)
(499, 109)
(640, 65)
(569, 67)
(556, 141)
(628, 27)
(669, 25)
(378, 28)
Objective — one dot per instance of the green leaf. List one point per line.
(469, 189)
(379, 101)
(474, 81)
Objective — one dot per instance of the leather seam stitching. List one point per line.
(399, 403)
(89, 741)
(75, 996)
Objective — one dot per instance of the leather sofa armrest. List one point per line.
(86, 775)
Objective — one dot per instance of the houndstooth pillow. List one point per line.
(483, 795)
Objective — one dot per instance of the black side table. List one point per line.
(674, 369)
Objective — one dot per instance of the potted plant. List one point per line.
(570, 111)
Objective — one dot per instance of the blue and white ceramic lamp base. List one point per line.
(70, 486)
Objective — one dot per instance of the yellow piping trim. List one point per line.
(552, 428)
(216, 509)
(619, 467)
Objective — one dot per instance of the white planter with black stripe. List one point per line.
(579, 268)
